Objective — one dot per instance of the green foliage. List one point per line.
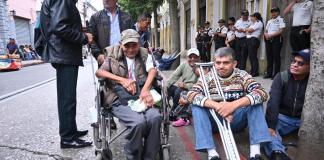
(137, 7)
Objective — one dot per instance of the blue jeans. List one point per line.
(251, 116)
(285, 125)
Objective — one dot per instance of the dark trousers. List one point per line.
(299, 40)
(219, 45)
(174, 92)
(66, 79)
(252, 47)
(273, 48)
(240, 50)
(200, 47)
(205, 55)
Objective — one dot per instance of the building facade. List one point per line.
(193, 13)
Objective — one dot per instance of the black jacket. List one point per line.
(289, 102)
(100, 29)
(60, 20)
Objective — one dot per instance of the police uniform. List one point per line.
(206, 37)
(218, 40)
(253, 43)
(199, 41)
(302, 19)
(240, 41)
(230, 35)
(273, 46)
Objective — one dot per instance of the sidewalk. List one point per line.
(31, 63)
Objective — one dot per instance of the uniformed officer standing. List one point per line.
(199, 39)
(253, 34)
(273, 39)
(207, 36)
(302, 19)
(220, 35)
(240, 32)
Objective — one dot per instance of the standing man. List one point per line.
(60, 20)
(106, 26)
(220, 35)
(287, 95)
(273, 39)
(240, 32)
(302, 19)
(199, 40)
(142, 27)
(207, 34)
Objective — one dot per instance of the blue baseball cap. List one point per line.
(305, 54)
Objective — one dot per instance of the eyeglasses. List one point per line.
(299, 63)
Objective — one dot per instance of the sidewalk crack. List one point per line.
(55, 156)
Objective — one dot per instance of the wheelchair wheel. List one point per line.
(107, 154)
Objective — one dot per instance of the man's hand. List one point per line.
(147, 98)
(129, 85)
(181, 85)
(90, 38)
(225, 109)
(272, 132)
(101, 58)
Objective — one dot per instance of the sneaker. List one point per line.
(279, 155)
(181, 122)
(256, 157)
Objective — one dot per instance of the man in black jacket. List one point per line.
(286, 102)
(61, 23)
(106, 26)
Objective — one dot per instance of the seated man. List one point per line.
(286, 102)
(243, 108)
(185, 72)
(126, 65)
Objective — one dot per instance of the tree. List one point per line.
(311, 133)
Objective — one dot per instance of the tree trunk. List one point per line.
(311, 133)
(175, 31)
(156, 37)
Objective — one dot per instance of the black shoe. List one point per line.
(81, 133)
(76, 143)
(267, 76)
(215, 158)
(113, 124)
(278, 155)
(256, 157)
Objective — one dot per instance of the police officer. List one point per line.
(302, 19)
(253, 34)
(220, 34)
(273, 39)
(199, 40)
(240, 32)
(230, 36)
(206, 37)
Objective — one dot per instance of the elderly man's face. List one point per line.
(299, 67)
(225, 65)
(192, 59)
(109, 3)
(144, 25)
(131, 49)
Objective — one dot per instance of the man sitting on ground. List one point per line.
(186, 71)
(287, 95)
(243, 108)
(125, 67)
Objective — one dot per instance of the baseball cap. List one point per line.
(245, 13)
(275, 9)
(129, 35)
(193, 51)
(305, 54)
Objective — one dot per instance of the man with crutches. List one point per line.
(242, 106)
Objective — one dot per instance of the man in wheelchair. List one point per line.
(130, 75)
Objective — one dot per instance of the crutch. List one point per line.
(223, 125)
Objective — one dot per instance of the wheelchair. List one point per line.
(103, 136)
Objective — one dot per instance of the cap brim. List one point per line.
(193, 53)
(130, 40)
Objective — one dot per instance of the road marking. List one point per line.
(187, 141)
(19, 91)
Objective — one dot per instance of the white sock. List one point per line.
(212, 152)
(254, 150)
